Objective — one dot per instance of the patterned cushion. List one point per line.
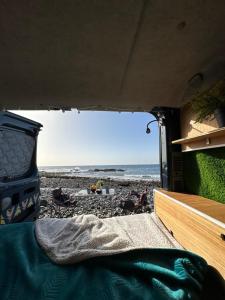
(16, 150)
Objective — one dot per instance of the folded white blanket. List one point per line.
(68, 241)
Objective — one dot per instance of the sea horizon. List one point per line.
(81, 165)
(114, 171)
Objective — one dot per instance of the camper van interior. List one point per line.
(166, 58)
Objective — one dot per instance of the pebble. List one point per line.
(99, 205)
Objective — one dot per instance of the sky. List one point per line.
(94, 138)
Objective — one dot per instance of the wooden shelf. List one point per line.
(212, 139)
(197, 223)
(214, 133)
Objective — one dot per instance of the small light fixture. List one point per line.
(148, 130)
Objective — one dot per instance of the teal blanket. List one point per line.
(27, 273)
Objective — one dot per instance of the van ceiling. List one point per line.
(128, 55)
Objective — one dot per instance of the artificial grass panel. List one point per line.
(204, 173)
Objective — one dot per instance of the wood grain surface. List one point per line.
(197, 223)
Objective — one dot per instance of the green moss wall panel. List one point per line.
(204, 173)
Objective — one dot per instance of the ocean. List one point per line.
(124, 172)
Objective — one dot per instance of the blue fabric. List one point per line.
(27, 273)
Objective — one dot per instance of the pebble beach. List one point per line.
(124, 201)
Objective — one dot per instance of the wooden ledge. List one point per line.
(197, 223)
(210, 208)
(211, 139)
(214, 133)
